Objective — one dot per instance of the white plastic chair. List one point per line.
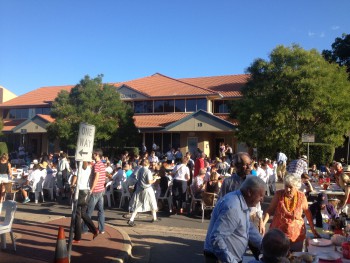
(38, 189)
(10, 208)
(109, 193)
(168, 195)
(49, 185)
(125, 193)
(10, 189)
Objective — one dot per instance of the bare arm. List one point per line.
(10, 170)
(347, 191)
(309, 217)
(270, 211)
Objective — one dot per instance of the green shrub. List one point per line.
(136, 151)
(3, 148)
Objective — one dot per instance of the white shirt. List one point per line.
(118, 178)
(262, 174)
(181, 171)
(36, 179)
(83, 180)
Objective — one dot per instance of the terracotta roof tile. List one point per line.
(156, 85)
(159, 85)
(226, 117)
(10, 124)
(36, 97)
(228, 86)
(47, 118)
(157, 120)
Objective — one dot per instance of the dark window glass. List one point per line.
(148, 106)
(191, 105)
(202, 104)
(159, 106)
(158, 140)
(220, 106)
(149, 141)
(38, 110)
(5, 114)
(169, 106)
(166, 142)
(47, 111)
(138, 106)
(24, 113)
(179, 105)
(12, 114)
(176, 140)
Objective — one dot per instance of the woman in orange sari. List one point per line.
(288, 206)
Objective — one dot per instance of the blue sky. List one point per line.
(58, 42)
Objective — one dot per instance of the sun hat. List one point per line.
(43, 165)
(304, 157)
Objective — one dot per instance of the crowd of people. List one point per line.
(239, 181)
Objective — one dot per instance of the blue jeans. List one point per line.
(96, 199)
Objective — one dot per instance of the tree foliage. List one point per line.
(296, 92)
(95, 103)
(340, 52)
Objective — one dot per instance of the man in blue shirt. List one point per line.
(230, 228)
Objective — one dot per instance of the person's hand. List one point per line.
(262, 229)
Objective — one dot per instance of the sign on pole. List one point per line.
(308, 138)
(83, 153)
(85, 142)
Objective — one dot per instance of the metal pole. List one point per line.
(74, 210)
(308, 158)
(347, 155)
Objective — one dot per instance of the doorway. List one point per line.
(192, 144)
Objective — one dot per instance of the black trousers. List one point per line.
(179, 193)
(81, 214)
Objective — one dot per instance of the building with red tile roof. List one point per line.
(187, 113)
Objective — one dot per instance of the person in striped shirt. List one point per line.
(98, 180)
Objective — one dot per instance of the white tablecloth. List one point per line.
(328, 249)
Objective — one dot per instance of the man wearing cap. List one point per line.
(298, 166)
(321, 209)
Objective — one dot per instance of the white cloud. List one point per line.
(335, 27)
(311, 34)
(322, 34)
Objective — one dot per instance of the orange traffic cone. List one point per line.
(61, 254)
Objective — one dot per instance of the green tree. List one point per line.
(340, 52)
(296, 92)
(95, 103)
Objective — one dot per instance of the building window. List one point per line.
(180, 105)
(221, 106)
(202, 104)
(196, 104)
(143, 107)
(45, 111)
(18, 114)
(191, 105)
(169, 106)
(159, 106)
